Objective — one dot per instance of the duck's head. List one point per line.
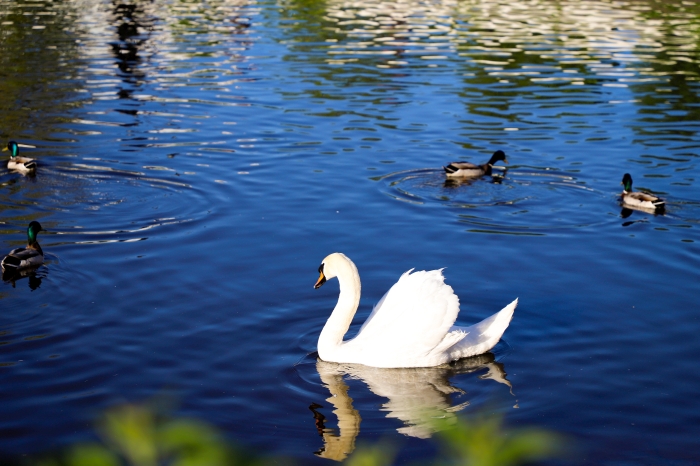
(498, 156)
(32, 230)
(627, 182)
(332, 266)
(13, 147)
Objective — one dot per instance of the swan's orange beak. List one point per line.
(321, 280)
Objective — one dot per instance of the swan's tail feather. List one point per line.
(495, 325)
(483, 336)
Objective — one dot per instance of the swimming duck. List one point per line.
(640, 199)
(30, 256)
(22, 164)
(411, 326)
(467, 169)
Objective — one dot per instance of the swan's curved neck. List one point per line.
(338, 323)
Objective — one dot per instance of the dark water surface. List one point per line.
(198, 160)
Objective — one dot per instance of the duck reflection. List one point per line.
(34, 276)
(628, 210)
(496, 178)
(415, 396)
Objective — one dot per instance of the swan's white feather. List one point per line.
(413, 317)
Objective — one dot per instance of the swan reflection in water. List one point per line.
(415, 396)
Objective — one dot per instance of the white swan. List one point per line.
(411, 326)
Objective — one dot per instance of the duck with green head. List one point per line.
(29, 256)
(469, 170)
(22, 164)
(637, 199)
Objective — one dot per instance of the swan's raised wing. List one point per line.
(413, 316)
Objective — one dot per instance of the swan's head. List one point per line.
(322, 277)
(332, 266)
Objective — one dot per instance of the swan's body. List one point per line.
(29, 256)
(21, 164)
(469, 170)
(636, 199)
(411, 326)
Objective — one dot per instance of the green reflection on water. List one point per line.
(39, 61)
(559, 54)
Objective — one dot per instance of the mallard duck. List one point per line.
(411, 326)
(639, 199)
(468, 169)
(23, 164)
(30, 256)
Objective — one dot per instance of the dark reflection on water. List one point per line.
(197, 161)
(133, 27)
(33, 276)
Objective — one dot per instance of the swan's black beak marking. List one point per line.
(321, 278)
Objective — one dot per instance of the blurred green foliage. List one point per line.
(379, 454)
(479, 441)
(483, 441)
(137, 435)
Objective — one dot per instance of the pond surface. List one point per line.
(197, 161)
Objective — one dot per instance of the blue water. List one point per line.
(198, 161)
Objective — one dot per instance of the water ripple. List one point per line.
(521, 199)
